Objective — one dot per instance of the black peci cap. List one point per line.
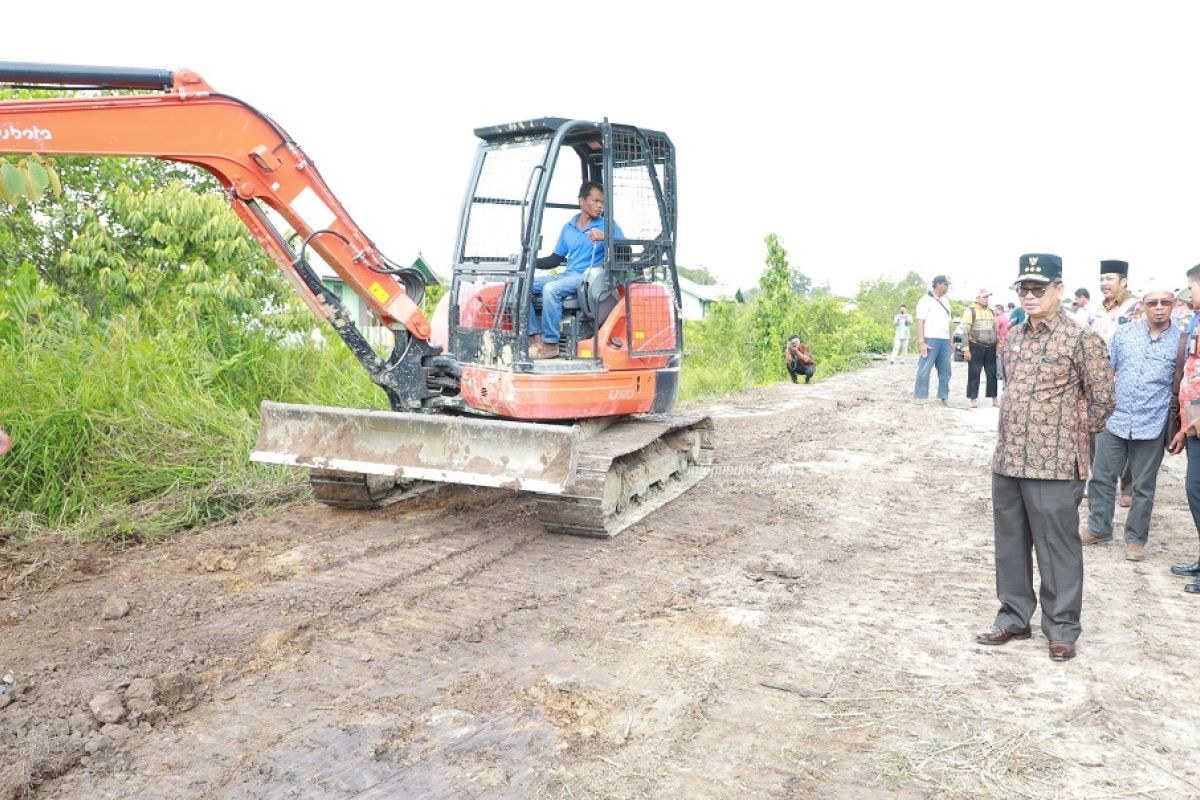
(1040, 267)
(941, 279)
(1114, 267)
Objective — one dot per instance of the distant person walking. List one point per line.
(901, 329)
(1059, 389)
(933, 340)
(1002, 323)
(981, 337)
(799, 360)
(1081, 307)
(1143, 355)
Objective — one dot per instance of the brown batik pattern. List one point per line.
(1058, 390)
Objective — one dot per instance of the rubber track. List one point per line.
(585, 511)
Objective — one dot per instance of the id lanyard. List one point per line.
(1191, 334)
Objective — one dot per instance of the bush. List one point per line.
(140, 424)
(738, 345)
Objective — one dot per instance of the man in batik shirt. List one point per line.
(1059, 391)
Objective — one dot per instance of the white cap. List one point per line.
(1159, 284)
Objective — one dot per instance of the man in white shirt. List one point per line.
(901, 325)
(933, 340)
(1081, 309)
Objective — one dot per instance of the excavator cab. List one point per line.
(624, 318)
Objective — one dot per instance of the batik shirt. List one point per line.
(1105, 321)
(1189, 387)
(1058, 391)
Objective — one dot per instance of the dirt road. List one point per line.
(799, 625)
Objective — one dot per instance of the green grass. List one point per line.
(136, 428)
(140, 426)
(735, 347)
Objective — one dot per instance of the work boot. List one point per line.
(1193, 587)
(1135, 552)
(544, 351)
(1187, 570)
(1087, 537)
(1126, 501)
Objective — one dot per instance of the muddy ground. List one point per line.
(798, 625)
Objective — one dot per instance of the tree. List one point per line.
(800, 283)
(880, 298)
(699, 275)
(774, 304)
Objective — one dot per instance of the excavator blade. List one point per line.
(527, 456)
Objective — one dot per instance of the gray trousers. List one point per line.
(1126, 474)
(1144, 459)
(1043, 516)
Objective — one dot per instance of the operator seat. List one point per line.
(591, 295)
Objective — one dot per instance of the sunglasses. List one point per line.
(1036, 291)
(1153, 303)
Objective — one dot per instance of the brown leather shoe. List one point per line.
(1126, 501)
(1062, 651)
(996, 635)
(1135, 552)
(1087, 537)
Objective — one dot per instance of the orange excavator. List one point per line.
(590, 432)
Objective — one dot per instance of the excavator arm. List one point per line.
(179, 117)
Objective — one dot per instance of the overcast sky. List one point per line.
(874, 137)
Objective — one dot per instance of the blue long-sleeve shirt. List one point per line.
(1145, 371)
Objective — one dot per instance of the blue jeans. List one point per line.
(552, 288)
(939, 354)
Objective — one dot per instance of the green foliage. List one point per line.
(27, 179)
(141, 424)
(140, 328)
(801, 284)
(434, 292)
(741, 345)
(699, 275)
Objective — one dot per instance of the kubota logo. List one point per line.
(12, 132)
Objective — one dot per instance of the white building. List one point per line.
(376, 334)
(696, 298)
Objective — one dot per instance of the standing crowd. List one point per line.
(1094, 395)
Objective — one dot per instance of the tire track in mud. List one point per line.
(468, 654)
(547, 585)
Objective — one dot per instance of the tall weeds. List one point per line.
(139, 426)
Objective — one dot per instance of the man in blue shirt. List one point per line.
(1143, 355)
(581, 245)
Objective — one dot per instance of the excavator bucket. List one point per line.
(527, 456)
